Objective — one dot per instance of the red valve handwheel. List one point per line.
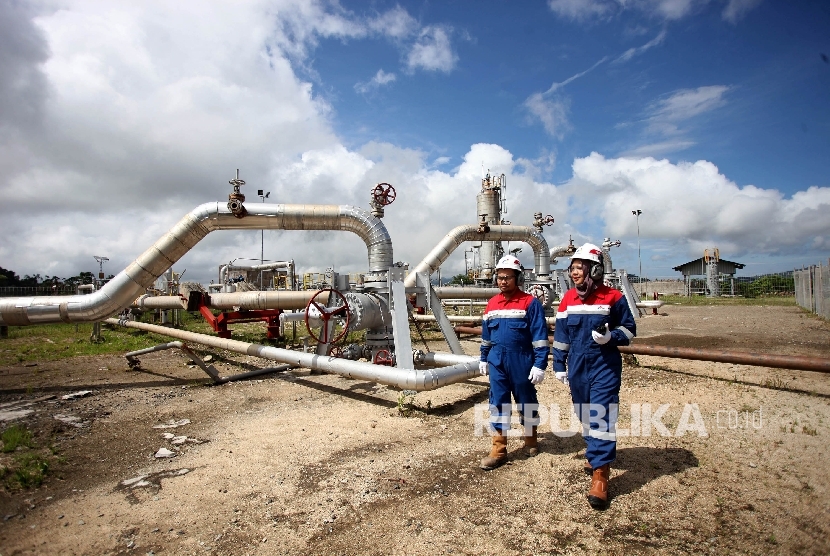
(383, 194)
(326, 314)
(383, 357)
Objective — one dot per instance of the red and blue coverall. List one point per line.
(594, 370)
(514, 338)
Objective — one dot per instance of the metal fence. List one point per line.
(812, 289)
(27, 291)
(764, 285)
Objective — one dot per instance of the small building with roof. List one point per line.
(709, 275)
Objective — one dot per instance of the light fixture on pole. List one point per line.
(262, 195)
(100, 265)
(637, 214)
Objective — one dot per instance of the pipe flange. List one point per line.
(235, 205)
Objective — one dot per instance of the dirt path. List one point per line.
(317, 464)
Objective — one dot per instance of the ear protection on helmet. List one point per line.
(597, 272)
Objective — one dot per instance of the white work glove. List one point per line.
(601, 339)
(562, 376)
(482, 368)
(537, 375)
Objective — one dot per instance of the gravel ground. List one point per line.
(301, 463)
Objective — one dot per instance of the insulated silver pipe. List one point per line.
(407, 379)
(453, 292)
(278, 299)
(500, 232)
(225, 268)
(131, 282)
(560, 251)
(154, 302)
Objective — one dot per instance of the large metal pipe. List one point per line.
(278, 299)
(561, 251)
(407, 379)
(455, 292)
(460, 234)
(225, 268)
(795, 362)
(130, 283)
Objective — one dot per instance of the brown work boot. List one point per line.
(598, 495)
(498, 453)
(531, 447)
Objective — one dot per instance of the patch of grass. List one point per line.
(52, 342)
(16, 436)
(701, 300)
(30, 470)
(406, 402)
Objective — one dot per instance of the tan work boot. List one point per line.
(598, 495)
(531, 447)
(498, 453)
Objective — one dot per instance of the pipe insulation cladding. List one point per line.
(501, 232)
(130, 283)
(462, 367)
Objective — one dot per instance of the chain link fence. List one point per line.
(812, 289)
(26, 291)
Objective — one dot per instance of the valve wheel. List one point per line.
(383, 357)
(383, 194)
(326, 314)
(548, 220)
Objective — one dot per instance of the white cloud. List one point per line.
(432, 51)
(637, 50)
(737, 9)
(552, 113)
(666, 10)
(381, 78)
(693, 205)
(665, 115)
(581, 10)
(396, 23)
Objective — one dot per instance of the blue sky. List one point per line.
(712, 117)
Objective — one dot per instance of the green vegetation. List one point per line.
(51, 342)
(14, 437)
(700, 300)
(28, 467)
(461, 280)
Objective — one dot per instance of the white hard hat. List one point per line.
(511, 262)
(587, 252)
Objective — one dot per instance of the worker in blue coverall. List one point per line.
(591, 322)
(514, 352)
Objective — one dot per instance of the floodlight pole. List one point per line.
(262, 195)
(637, 214)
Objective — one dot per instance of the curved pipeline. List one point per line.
(408, 379)
(454, 292)
(141, 273)
(498, 232)
(561, 251)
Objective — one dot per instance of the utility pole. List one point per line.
(262, 195)
(637, 214)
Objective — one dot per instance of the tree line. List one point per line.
(9, 278)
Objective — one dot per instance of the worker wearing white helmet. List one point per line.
(514, 352)
(591, 322)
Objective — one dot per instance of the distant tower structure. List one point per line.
(711, 261)
(490, 206)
